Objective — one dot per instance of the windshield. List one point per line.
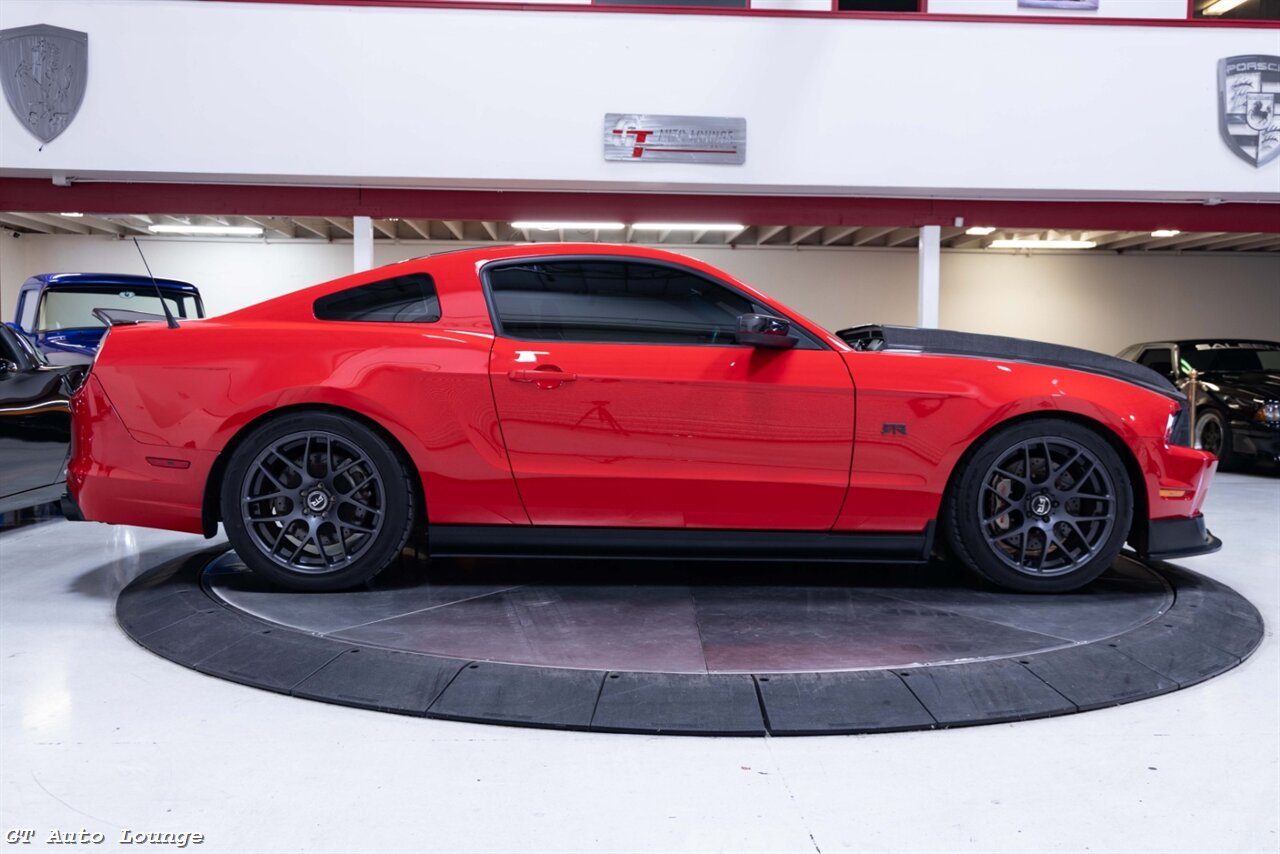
(1226, 356)
(72, 308)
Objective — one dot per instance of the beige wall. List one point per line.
(1106, 302)
(1099, 301)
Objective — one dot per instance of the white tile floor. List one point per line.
(101, 735)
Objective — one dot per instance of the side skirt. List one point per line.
(668, 543)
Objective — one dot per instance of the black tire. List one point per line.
(316, 501)
(1213, 434)
(1041, 506)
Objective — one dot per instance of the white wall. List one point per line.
(13, 270)
(1099, 301)
(461, 97)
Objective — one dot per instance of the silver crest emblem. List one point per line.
(1247, 94)
(44, 70)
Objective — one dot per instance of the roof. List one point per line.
(1221, 339)
(109, 279)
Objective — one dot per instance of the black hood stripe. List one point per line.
(946, 342)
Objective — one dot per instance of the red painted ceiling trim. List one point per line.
(785, 13)
(39, 195)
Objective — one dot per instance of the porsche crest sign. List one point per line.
(44, 70)
(1248, 92)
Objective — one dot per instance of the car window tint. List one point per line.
(404, 299)
(1158, 359)
(611, 301)
(1225, 357)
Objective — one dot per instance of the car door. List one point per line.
(35, 420)
(624, 400)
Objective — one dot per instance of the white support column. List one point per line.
(930, 276)
(362, 243)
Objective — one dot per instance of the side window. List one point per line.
(614, 301)
(27, 310)
(404, 299)
(1158, 359)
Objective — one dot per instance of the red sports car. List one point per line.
(588, 400)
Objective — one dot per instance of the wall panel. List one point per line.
(1098, 301)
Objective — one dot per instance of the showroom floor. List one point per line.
(98, 734)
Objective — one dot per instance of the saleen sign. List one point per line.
(675, 139)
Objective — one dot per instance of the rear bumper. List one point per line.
(1166, 538)
(114, 478)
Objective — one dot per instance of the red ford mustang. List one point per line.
(588, 400)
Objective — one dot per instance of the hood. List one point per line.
(1259, 385)
(949, 343)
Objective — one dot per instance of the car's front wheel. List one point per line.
(316, 501)
(1213, 435)
(1040, 506)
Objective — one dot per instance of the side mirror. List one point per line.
(7, 367)
(765, 330)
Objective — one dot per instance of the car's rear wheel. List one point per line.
(1041, 506)
(316, 501)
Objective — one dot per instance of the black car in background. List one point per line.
(1238, 391)
(35, 423)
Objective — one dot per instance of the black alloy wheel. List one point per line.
(1042, 506)
(316, 501)
(1213, 435)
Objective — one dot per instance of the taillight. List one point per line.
(1179, 430)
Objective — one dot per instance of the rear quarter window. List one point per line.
(404, 299)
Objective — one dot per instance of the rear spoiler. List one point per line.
(125, 317)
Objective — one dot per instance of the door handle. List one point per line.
(545, 376)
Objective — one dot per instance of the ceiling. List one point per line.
(278, 228)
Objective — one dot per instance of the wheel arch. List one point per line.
(1137, 482)
(210, 511)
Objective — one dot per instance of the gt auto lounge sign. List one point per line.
(1248, 89)
(675, 139)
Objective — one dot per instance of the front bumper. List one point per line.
(1166, 538)
(1254, 439)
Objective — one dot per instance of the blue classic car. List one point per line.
(55, 310)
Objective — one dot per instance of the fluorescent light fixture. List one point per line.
(1165, 232)
(1028, 243)
(1220, 8)
(72, 215)
(981, 230)
(687, 226)
(208, 230)
(569, 226)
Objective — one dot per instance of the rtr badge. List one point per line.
(44, 70)
(1248, 89)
